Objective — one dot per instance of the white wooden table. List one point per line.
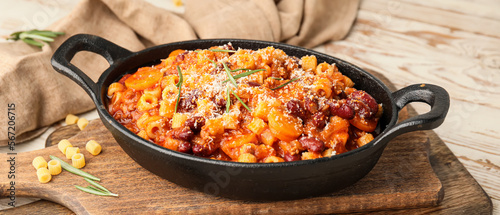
(451, 43)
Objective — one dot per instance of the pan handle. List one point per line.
(433, 95)
(61, 60)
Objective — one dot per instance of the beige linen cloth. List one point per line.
(43, 96)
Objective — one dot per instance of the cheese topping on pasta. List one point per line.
(245, 105)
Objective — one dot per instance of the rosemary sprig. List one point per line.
(243, 103)
(241, 75)
(276, 78)
(280, 86)
(74, 170)
(215, 65)
(33, 37)
(94, 191)
(228, 100)
(228, 72)
(179, 87)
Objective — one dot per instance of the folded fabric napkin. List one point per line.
(43, 96)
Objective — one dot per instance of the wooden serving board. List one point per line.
(403, 178)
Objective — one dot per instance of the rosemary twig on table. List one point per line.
(35, 37)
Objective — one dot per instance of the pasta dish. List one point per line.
(245, 105)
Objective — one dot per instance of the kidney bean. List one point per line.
(296, 108)
(290, 157)
(180, 57)
(312, 144)
(195, 123)
(319, 120)
(184, 147)
(188, 102)
(183, 133)
(204, 149)
(360, 108)
(367, 99)
(341, 109)
(311, 104)
(219, 101)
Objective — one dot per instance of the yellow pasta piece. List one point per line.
(71, 119)
(247, 158)
(257, 125)
(44, 175)
(329, 152)
(230, 121)
(146, 102)
(93, 147)
(154, 126)
(78, 160)
(264, 107)
(310, 155)
(309, 62)
(178, 120)
(70, 151)
(63, 145)
(213, 127)
(363, 140)
(143, 134)
(156, 92)
(54, 167)
(82, 123)
(323, 87)
(167, 108)
(115, 87)
(267, 137)
(273, 159)
(39, 162)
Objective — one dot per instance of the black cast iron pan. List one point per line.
(250, 181)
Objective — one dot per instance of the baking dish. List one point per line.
(250, 181)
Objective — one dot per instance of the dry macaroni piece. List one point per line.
(70, 151)
(71, 119)
(39, 162)
(63, 145)
(245, 105)
(82, 123)
(93, 147)
(54, 167)
(43, 175)
(78, 160)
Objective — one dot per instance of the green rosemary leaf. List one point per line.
(97, 185)
(93, 191)
(228, 72)
(243, 103)
(241, 75)
(35, 36)
(280, 86)
(74, 170)
(215, 65)
(276, 78)
(228, 100)
(32, 42)
(179, 87)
